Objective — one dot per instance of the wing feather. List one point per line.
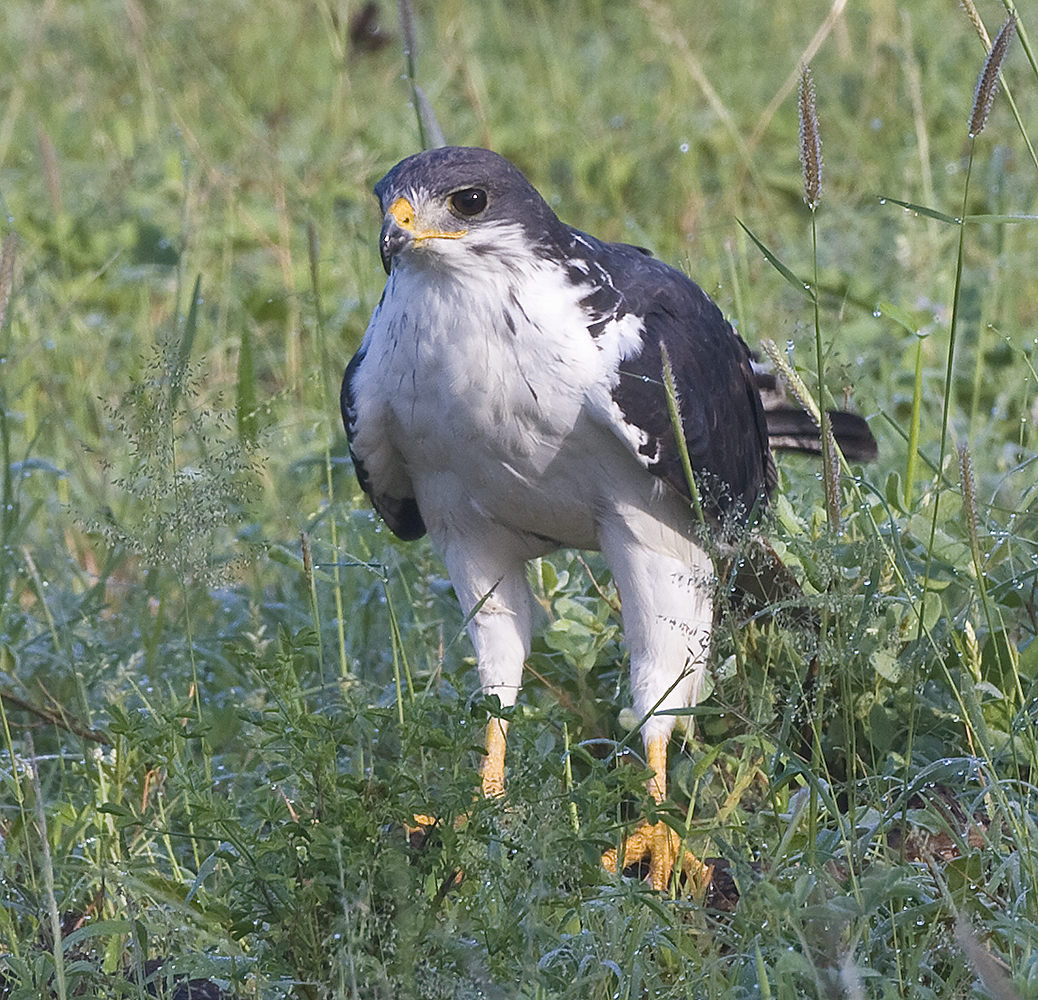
(722, 418)
(398, 508)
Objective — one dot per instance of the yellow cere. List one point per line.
(403, 211)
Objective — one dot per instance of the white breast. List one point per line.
(489, 385)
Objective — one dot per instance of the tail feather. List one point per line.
(791, 429)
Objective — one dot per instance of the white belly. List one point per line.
(491, 449)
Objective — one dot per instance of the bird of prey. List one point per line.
(508, 400)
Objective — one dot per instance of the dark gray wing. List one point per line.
(722, 418)
(400, 513)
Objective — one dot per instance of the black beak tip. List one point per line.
(392, 240)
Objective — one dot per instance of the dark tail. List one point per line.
(792, 429)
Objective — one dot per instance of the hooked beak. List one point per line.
(392, 240)
(401, 228)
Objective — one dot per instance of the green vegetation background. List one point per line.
(214, 731)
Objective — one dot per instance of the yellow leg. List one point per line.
(493, 770)
(659, 843)
(656, 751)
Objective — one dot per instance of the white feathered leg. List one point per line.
(666, 592)
(494, 592)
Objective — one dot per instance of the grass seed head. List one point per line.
(831, 474)
(7, 259)
(987, 85)
(978, 24)
(969, 494)
(810, 140)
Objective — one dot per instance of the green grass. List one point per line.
(211, 745)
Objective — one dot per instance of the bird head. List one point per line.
(454, 202)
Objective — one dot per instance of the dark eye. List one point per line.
(469, 201)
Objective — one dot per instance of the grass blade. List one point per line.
(799, 284)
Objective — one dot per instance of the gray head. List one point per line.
(458, 200)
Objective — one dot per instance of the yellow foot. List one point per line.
(418, 830)
(417, 834)
(493, 771)
(659, 846)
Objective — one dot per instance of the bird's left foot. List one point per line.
(661, 849)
